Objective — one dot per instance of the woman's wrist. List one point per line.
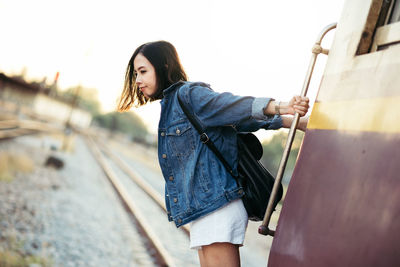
(283, 108)
(276, 108)
(270, 108)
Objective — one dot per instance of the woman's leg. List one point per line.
(219, 254)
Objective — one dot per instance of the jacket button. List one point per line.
(178, 131)
(162, 134)
(164, 156)
(171, 178)
(179, 220)
(175, 199)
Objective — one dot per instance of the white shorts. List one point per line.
(227, 224)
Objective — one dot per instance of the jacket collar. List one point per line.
(171, 88)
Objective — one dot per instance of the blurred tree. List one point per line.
(126, 122)
(87, 98)
(273, 150)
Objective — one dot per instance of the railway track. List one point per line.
(164, 244)
(141, 191)
(167, 244)
(135, 160)
(15, 128)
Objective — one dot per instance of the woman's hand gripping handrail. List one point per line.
(317, 49)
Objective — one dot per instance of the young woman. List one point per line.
(198, 188)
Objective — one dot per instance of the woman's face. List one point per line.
(145, 73)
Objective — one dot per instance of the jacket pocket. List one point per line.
(180, 139)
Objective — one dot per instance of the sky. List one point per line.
(253, 47)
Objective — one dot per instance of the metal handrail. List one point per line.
(317, 49)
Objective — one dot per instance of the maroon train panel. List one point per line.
(343, 204)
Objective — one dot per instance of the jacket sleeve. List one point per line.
(213, 109)
(271, 123)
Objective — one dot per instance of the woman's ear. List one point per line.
(166, 66)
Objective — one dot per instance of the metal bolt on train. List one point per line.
(342, 207)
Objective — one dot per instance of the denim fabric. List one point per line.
(196, 182)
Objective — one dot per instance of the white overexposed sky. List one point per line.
(254, 47)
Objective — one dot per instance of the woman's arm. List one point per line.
(244, 112)
(297, 104)
(221, 109)
(302, 125)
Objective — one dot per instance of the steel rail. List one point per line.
(165, 259)
(13, 133)
(140, 181)
(15, 128)
(316, 50)
(29, 124)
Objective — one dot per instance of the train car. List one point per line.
(342, 207)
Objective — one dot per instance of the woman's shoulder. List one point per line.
(200, 84)
(190, 84)
(195, 90)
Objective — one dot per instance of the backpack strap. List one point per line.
(203, 135)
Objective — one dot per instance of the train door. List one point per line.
(342, 207)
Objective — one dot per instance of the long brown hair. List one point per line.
(164, 58)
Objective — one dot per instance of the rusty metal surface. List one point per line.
(343, 203)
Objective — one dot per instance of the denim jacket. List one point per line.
(196, 182)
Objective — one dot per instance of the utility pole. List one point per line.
(68, 125)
